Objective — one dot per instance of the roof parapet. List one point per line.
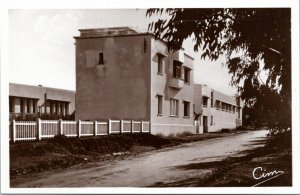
(98, 32)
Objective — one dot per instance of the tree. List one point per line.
(254, 41)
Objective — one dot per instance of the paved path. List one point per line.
(165, 165)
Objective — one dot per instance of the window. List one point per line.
(239, 112)
(28, 105)
(204, 101)
(186, 75)
(145, 46)
(212, 99)
(218, 104)
(159, 104)
(61, 111)
(233, 109)
(186, 108)
(160, 64)
(22, 105)
(67, 108)
(211, 120)
(174, 107)
(56, 108)
(52, 106)
(40, 109)
(33, 106)
(101, 61)
(176, 69)
(11, 104)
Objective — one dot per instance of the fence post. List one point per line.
(121, 126)
(142, 129)
(95, 128)
(109, 126)
(38, 129)
(60, 126)
(132, 128)
(13, 128)
(79, 128)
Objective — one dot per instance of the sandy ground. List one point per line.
(151, 168)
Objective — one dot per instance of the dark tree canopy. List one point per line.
(253, 41)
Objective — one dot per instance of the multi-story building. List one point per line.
(25, 100)
(123, 74)
(215, 111)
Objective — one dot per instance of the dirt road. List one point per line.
(166, 165)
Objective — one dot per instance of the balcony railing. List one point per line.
(176, 83)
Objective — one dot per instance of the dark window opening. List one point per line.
(212, 99)
(159, 104)
(51, 108)
(218, 104)
(204, 101)
(145, 46)
(28, 105)
(56, 108)
(67, 108)
(62, 108)
(186, 108)
(34, 106)
(10, 104)
(160, 64)
(101, 60)
(186, 75)
(174, 107)
(176, 69)
(22, 105)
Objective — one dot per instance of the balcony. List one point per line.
(179, 56)
(176, 83)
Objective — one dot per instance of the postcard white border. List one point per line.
(116, 4)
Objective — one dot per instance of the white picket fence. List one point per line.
(47, 129)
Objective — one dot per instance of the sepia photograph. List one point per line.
(151, 98)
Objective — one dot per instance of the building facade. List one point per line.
(215, 111)
(25, 100)
(123, 74)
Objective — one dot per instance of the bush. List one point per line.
(27, 117)
(34, 117)
(184, 134)
(245, 128)
(160, 135)
(225, 130)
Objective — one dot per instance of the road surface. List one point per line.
(166, 165)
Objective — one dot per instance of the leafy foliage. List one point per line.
(254, 41)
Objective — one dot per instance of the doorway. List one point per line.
(205, 127)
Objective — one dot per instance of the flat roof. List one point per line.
(121, 28)
(40, 86)
(105, 36)
(122, 35)
(106, 32)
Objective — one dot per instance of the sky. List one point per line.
(42, 50)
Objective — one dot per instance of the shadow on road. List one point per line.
(237, 170)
